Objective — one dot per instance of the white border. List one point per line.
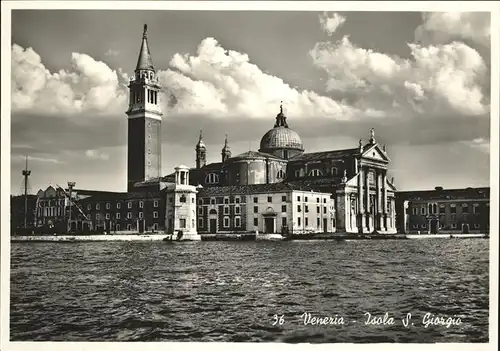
(460, 6)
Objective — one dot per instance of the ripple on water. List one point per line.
(224, 291)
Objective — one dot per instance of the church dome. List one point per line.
(281, 138)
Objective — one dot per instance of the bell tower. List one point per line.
(144, 120)
(226, 151)
(201, 152)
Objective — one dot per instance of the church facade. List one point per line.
(278, 188)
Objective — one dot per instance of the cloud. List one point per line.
(438, 80)
(331, 24)
(111, 53)
(90, 86)
(96, 154)
(225, 83)
(36, 159)
(443, 27)
(480, 144)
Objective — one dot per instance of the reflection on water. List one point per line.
(230, 291)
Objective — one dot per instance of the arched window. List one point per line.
(315, 173)
(212, 178)
(280, 174)
(334, 171)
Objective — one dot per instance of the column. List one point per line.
(384, 199)
(378, 220)
(367, 199)
(360, 201)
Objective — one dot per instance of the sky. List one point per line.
(422, 80)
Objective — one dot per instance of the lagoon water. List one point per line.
(236, 291)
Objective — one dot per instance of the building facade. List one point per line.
(278, 188)
(444, 211)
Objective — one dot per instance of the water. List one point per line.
(230, 291)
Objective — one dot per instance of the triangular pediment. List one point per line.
(376, 153)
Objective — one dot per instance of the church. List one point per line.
(276, 189)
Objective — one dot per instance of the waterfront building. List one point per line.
(444, 211)
(265, 208)
(181, 205)
(334, 191)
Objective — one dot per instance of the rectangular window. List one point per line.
(155, 214)
(422, 210)
(200, 211)
(442, 210)
(237, 199)
(299, 209)
(317, 200)
(298, 221)
(155, 203)
(97, 207)
(317, 209)
(453, 209)
(108, 206)
(256, 222)
(129, 204)
(324, 200)
(283, 208)
(269, 199)
(324, 210)
(200, 222)
(97, 216)
(237, 210)
(255, 200)
(226, 210)
(140, 214)
(298, 198)
(129, 227)
(107, 215)
(155, 226)
(256, 209)
(465, 208)
(226, 200)
(200, 202)
(306, 221)
(283, 198)
(306, 208)
(317, 222)
(129, 215)
(283, 221)
(117, 228)
(117, 215)
(237, 222)
(212, 201)
(305, 199)
(182, 223)
(226, 222)
(118, 205)
(414, 210)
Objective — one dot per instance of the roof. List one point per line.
(445, 194)
(122, 196)
(322, 155)
(253, 189)
(144, 62)
(253, 154)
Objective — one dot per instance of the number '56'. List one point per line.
(278, 319)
